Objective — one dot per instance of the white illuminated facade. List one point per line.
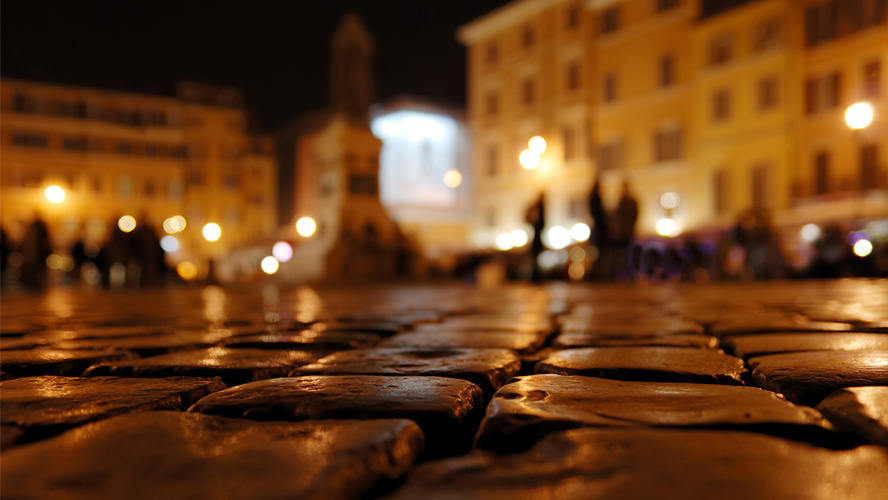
(424, 181)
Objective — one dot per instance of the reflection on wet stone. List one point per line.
(664, 364)
(176, 455)
(862, 410)
(233, 366)
(47, 405)
(655, 463)
(747, 346)
(448, 410)
(532, 406)
(66, 362)
(486, 368)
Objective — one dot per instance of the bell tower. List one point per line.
(351, 70)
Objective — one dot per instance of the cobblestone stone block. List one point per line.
(862, 410)
(47, 405)
(233, 366)
(655, 364)
(448, 410)
(523, 342)
(747, 346)
(174, 455)
(66, 362)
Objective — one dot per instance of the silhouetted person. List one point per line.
(5, 252)
(36, 247)
(114, 257)
(536, 217)
(78, 255)
(149, 255)
(600, 235)
(624, 221)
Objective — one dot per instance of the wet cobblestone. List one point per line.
(772, 390)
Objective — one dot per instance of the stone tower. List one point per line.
(351, 69)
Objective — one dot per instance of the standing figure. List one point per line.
(600, 236)
(624, 229)
(536, 217)
(36, 247)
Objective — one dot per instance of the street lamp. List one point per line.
(530, 157)
(859, 116)
(55, 194)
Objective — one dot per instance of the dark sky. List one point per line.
(275, 51)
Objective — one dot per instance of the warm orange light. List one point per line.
(212, 232)
(452, 178)
(306, 227)
(55, 194)
(126, 223)
(187, 270)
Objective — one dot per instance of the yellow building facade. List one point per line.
(150, 157)
(715, 104)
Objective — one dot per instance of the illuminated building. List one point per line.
(151, 157)
(422, 169)
(732, 105)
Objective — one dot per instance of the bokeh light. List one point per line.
(537, 145)
(212, 231)
(859, 115)
(186, 270)
(529, 160)
(863, 248)
(580, 232)
(282, 251)
(452, 178)
(306, 227)
(559, 237)
(55, 194)
(519, 238)
(810, 232)
(576, 270)
(504, 241)
(269, 265)
(667, 227)
(670, 200)
(169, 243)
(180, 222)
(126, 223)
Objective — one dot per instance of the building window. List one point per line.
(832, 95)
(821, 173)
(766, 35)
(610, 20)
(872, 79)
(75, 144)
(29, 140)
(492, 103)
(821, 23)
(721, 186)
(150, 189)
(610, 87)
(869, 167)
(125, 186)
(812, 96)
(528, 91)
(175, 189)
(492, 160)
(768, 90)
(610, 156)
(721, 105)
(720, 49)
(527, 37)
(194, 177)
(363, 184)
(150, 150)
(667, 144)
(492, 53)
(761, 186)
(569, 138)
(573, 16)
(573, 76)
(664, 5)
(124, 148)
(667, 70)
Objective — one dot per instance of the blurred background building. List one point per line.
(112, 154)
(723, 107)
(424, 179)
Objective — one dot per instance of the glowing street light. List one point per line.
(212, 232)
(859, 115)
(529, 160)
(269, 265)
(306, 227)
(55, 194)
(452, 178)
(863, 248)
(667, 227)
(670, 200)
(282, 251)
(537, 144)
(126, 223)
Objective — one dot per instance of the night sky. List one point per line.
(275, 51)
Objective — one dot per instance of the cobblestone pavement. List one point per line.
(445, 391)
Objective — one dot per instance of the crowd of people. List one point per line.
(133, 258)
